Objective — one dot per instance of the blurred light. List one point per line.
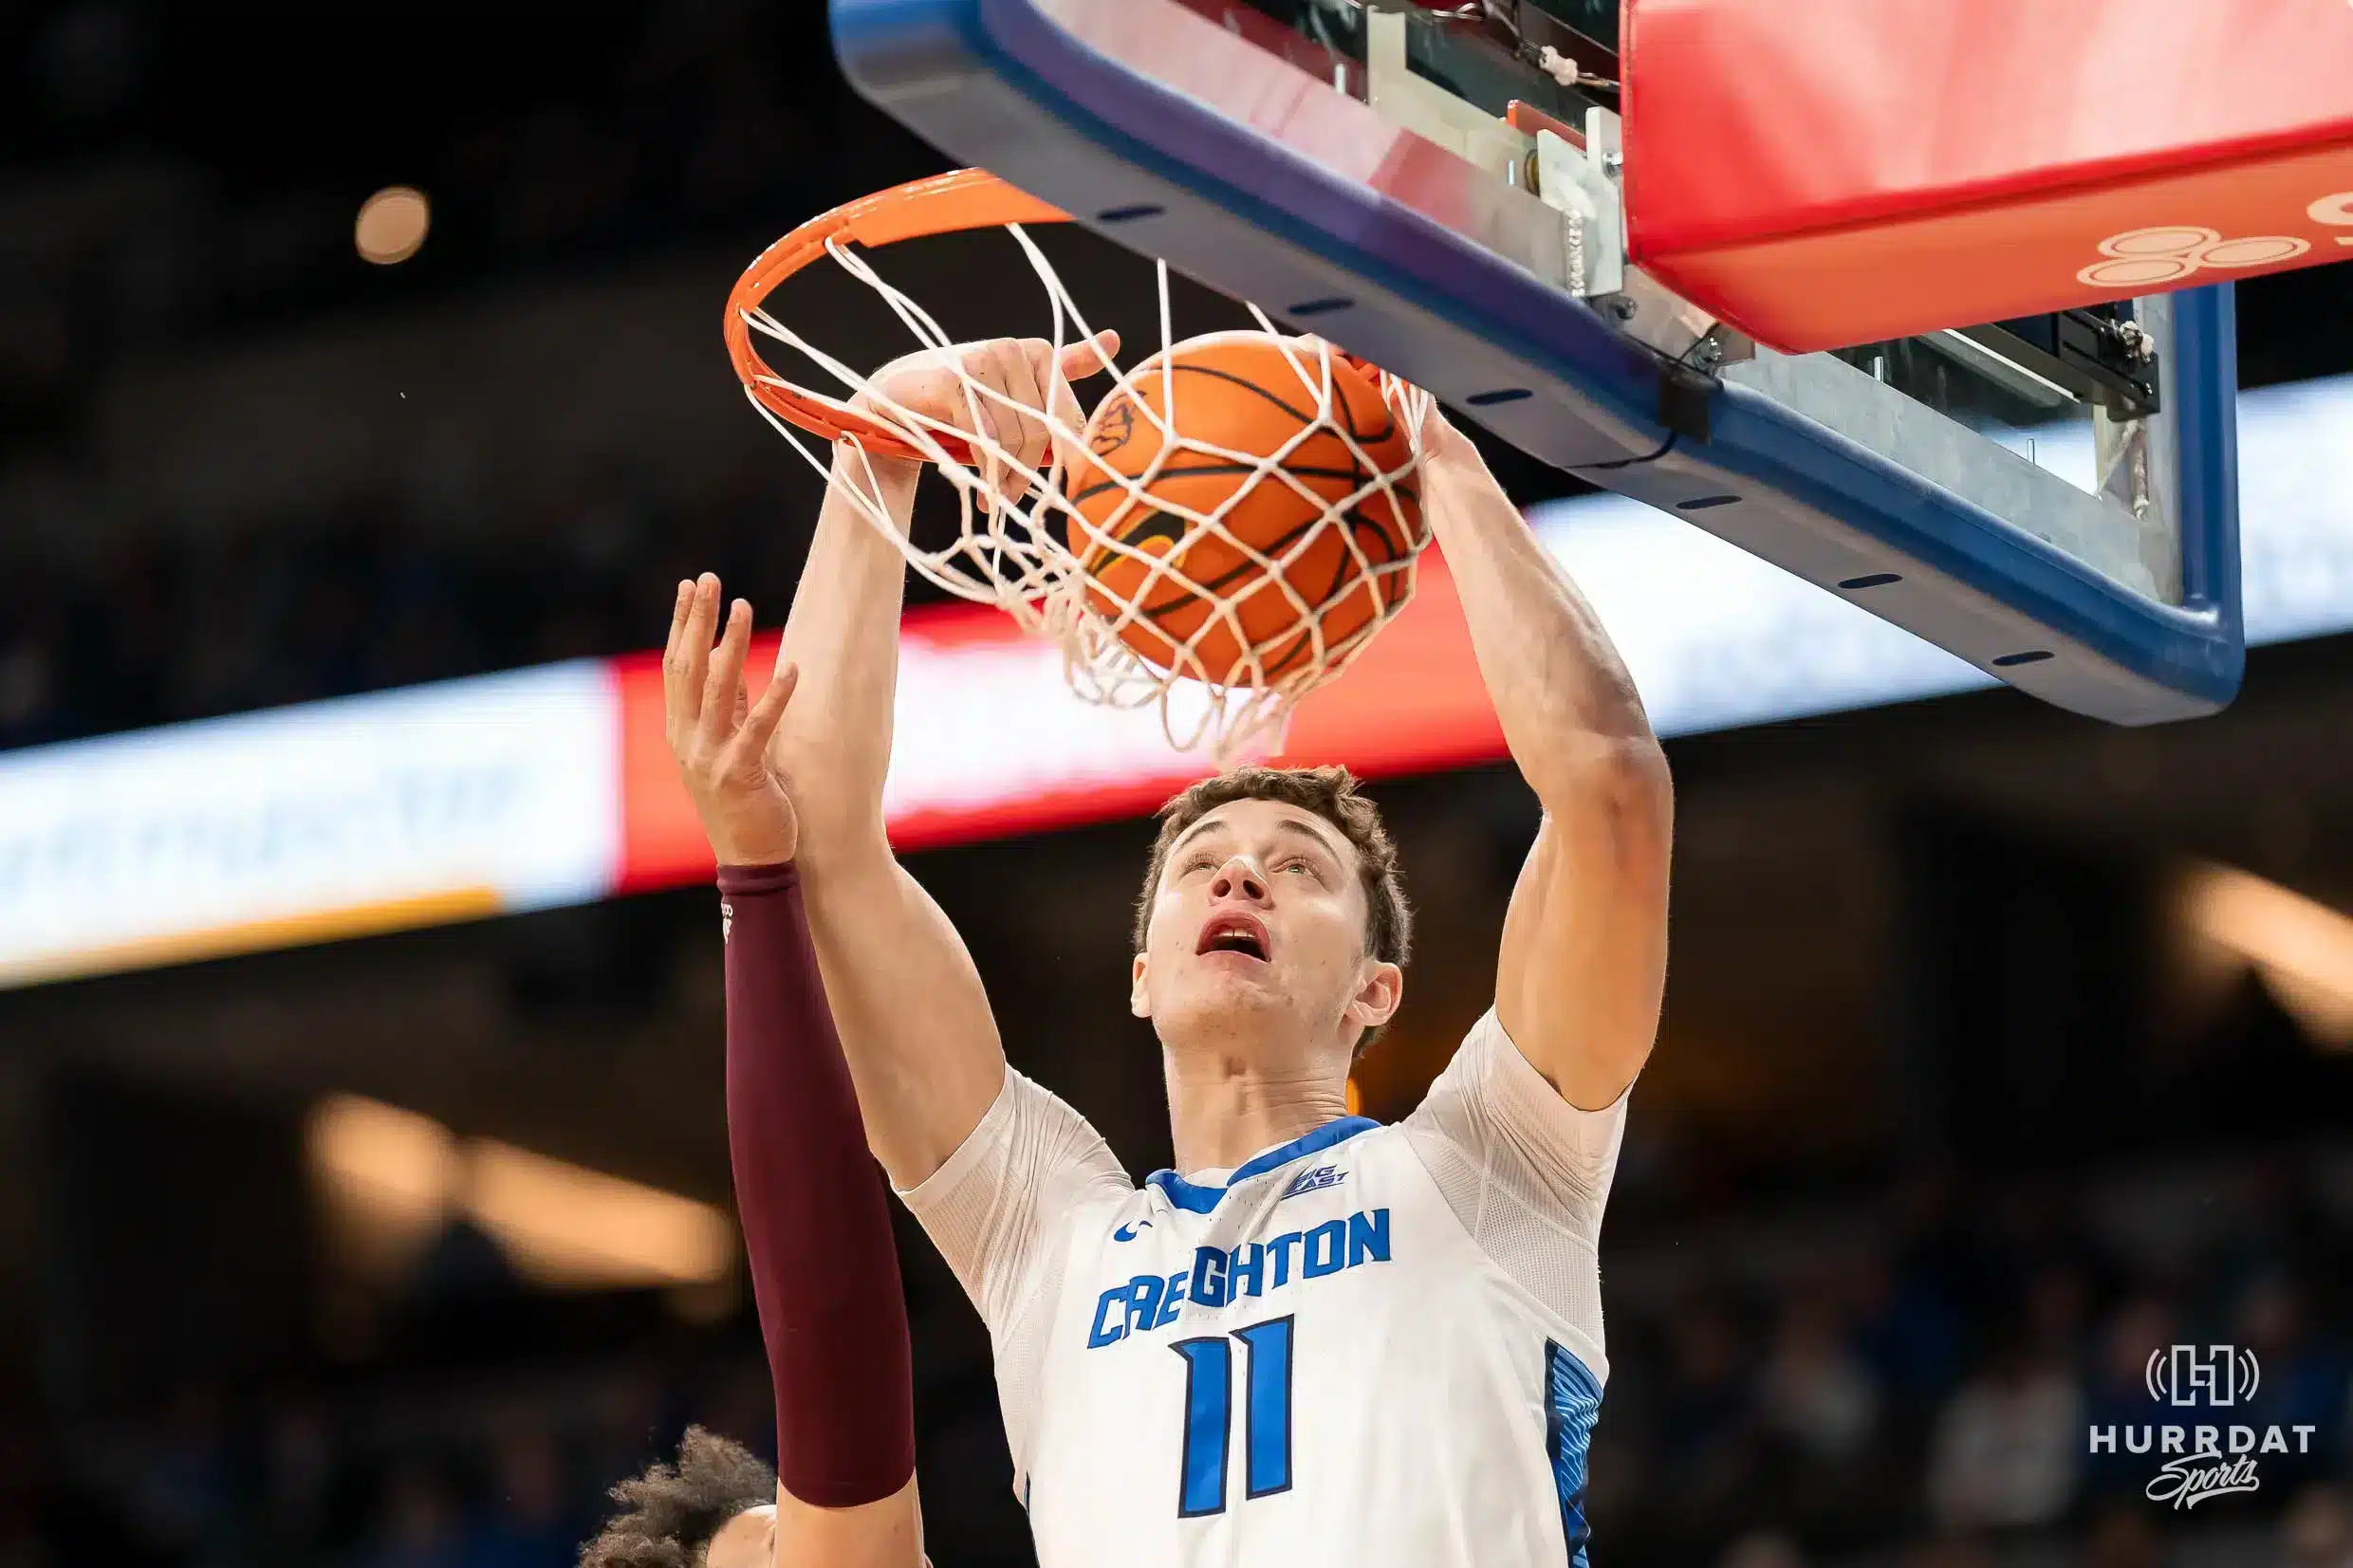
(2303, 950)
(394, 1179)
(386, 1180)
(563, 1224)
(392, 226)
(402, 1167)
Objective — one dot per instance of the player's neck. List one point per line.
(1223, 1111)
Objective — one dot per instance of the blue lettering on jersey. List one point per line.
(1316, 1180)
(1246, 1271)
(1171, 1298)
(1208, 1277)
(1143, 1297)
(1219, 1277)
(1326, 1250)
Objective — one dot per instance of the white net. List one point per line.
(1222, 601)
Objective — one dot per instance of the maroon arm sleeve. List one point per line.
(816, 1215)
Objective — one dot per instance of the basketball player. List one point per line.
(816, 1222)
(1319, 1339)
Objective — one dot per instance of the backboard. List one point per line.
(2053, 499)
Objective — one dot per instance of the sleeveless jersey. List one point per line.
(1374, 1345)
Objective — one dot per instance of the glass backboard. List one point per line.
(2053, 499)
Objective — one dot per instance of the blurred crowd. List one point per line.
(159, 215)
(165, 627)
(1903, 1379)
(488, 1472)
(1927, 1368)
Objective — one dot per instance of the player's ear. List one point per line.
(1139, 999)
(1379, 991)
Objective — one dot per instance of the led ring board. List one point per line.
(1442, 194)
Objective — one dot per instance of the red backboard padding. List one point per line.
(1845, 171)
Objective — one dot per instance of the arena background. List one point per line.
(2001, 1047)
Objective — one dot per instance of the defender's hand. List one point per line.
(719, 737)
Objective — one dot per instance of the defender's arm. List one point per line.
(817, 1238)
(816, 1221)
(1582, 965)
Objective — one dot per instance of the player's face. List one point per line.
(748, 1540)
(1259, 920)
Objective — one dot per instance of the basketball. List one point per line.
(1223, 517)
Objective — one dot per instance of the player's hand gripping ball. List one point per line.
(1012, 397)
(1236, 500)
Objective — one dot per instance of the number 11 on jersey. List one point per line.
(1209, 1415)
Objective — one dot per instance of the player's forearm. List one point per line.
(1570, 712)
(835, 741)
(816, 1222)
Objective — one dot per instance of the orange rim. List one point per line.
(945, 203)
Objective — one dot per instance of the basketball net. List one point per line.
(1020, 540)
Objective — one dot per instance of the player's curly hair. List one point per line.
(668, 1515)
(1329, 793)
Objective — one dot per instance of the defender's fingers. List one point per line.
(671, 649)
(724, 687)
(695, 650)
(769, 710)
(677, 615)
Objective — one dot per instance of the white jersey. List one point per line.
(1377, 1346)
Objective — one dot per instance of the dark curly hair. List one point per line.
(1327, 792)
(668, 1515)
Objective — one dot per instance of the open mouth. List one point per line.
(1241, 933)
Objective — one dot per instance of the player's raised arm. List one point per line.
(1584, 962)
(922, 1045)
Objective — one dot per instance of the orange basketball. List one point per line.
(1185, 437)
